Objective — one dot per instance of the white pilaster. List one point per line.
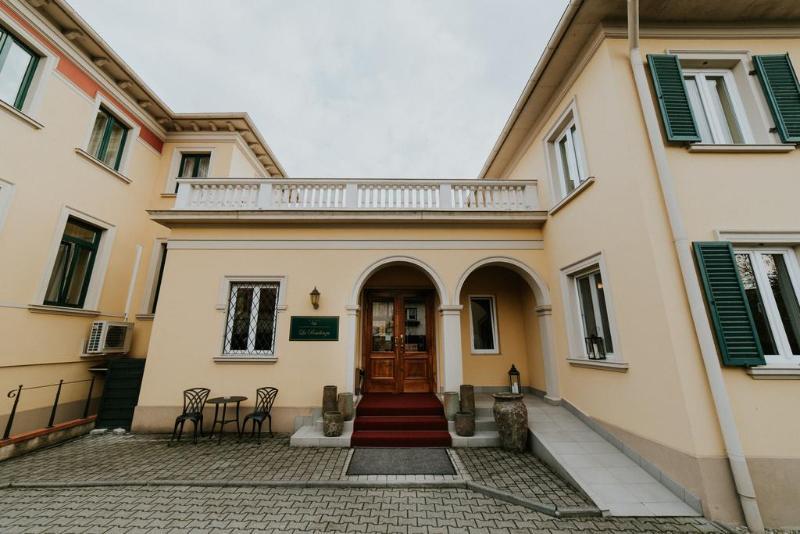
(545, 314)
(451, 347)
(351, 332)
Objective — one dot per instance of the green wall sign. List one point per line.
(314, 329)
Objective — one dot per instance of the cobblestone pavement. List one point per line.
(522, 474)
(197, 508)
(147, 457)
(249, 509)
(143, 457)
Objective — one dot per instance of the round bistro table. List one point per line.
(224, 401)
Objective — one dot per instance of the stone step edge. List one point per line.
(457, 483)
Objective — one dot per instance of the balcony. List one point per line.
(350, 200)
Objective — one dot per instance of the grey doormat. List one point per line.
(400, 462)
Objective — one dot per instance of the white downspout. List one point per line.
(708, 349)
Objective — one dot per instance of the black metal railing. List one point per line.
(16, 393)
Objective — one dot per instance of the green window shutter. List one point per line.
(672, 98)
(737, 339)
(779, 81)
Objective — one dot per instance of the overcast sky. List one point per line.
(345, 88)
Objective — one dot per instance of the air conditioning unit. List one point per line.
(109, 337)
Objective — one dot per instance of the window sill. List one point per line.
(605, 365)
(774, 372)
(30, 121)
(102, 165)
(245, 359)
(62, 310)
(145, 316)
(567, 199)
(701, 147)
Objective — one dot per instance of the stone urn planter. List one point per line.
(465, 424)
(467, 398)
(329, 401)
(511, 417)
(332, 424)
(346, 405)
(451, 403)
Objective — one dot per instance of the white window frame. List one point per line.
(574, 315)
(753, 103)
(130, 139)
(156, 253)
(495, 336)
(777, 330)
(712, 119)
(223, 303)
(175, 162)
(99, 269)
(47, 64)
(6, 194)
(561, 128)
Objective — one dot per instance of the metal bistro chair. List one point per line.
(265, 398)
(193, 401)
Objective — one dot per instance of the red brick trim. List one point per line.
(45, 431)
(82, 79)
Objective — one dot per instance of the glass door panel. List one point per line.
(383, 330)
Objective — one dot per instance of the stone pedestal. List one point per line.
(329, 402)
(346, 405)
(465, 424)
(451, 405)
(467, 398)
(332, 424)
(511, 417)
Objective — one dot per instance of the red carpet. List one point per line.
(404, 420)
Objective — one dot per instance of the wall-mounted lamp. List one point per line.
(315, 297)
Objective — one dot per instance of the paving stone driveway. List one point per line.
(248, 509)
(134, 459)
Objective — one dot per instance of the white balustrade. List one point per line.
(356, 195)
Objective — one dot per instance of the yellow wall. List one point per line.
(188, 329)
(663, 400)
(515, 325)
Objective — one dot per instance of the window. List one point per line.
(252, 319)
(193, 166)
(483, 324)
(565, 154)
(771, 282)
(716, 106)
(598, 342)
(159, 275)
(107, 140)
(75, 259)
(569, 160)
(17, 67)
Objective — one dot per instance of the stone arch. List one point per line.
(534, 280)
(398, 260)
(352, 319)
(543, 310)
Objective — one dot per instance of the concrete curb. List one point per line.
(549, 509)
(422, 484)
(240, 483)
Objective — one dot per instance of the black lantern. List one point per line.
(513, 379)
(315, 297)
(595, 347)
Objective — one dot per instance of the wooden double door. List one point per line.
(398, 344)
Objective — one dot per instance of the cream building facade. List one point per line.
(631, 245)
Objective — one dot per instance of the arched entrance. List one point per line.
(507, 314)
(395, 342)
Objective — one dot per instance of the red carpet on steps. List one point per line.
(401, 420)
